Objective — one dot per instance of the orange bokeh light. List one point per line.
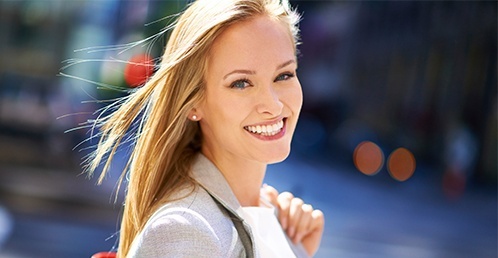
(401, 164)
(368, 158)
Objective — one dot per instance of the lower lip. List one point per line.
(270, 137)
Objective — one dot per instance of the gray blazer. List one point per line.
(201, 223)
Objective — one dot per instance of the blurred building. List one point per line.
(403, 74)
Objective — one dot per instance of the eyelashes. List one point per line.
(240, 84)
(285, 76)
(245, 82)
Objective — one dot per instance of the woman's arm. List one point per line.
(178, 233)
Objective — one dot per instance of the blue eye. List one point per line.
(240, 84)
(284, 77)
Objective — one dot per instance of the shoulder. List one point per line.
(189, 227)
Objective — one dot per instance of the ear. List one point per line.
(193, 115)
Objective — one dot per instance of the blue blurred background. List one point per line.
(416, 76)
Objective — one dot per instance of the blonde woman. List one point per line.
(223, 104)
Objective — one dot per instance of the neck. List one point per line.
(244, 176)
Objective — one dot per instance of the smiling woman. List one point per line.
(262, 92)
(223, 105)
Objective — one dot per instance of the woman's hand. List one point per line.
(299, 220)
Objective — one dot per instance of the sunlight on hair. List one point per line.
(368, 158)
(401, 164)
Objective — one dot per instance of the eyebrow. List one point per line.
(242, 71)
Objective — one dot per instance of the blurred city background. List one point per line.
(397, 141)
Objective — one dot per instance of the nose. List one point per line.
(269, 101)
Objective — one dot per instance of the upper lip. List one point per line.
(270, 122)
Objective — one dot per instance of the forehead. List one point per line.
(257, 41)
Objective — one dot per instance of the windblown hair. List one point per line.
(166, 141)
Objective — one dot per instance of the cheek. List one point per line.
(224, 108)
(300, 96)
(229, 106)
(294, 97)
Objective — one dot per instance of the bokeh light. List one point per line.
(138, 70)
(401, 164)
(368, 158)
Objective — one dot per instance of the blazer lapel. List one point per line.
(212, 180)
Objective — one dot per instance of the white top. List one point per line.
(268, 234)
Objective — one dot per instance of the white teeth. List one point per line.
(266, 130)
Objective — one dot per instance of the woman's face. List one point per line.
(253, 96)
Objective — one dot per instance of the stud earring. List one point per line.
(194, 117)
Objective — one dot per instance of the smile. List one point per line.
(266, 130)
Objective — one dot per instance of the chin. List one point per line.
(274, 157)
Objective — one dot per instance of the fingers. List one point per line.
(270, 193)
(302, 223)
(311, 242)
(295, 214)
(284, 203)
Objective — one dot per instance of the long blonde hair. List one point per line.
(166, 142)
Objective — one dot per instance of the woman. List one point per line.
(223, 104)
